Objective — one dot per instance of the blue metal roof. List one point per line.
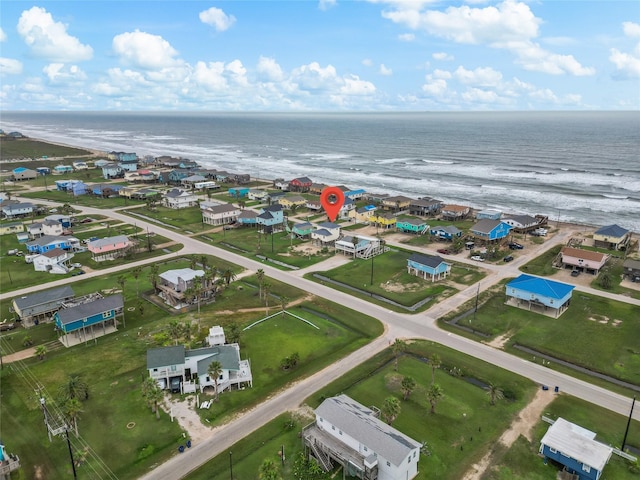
(612, 231)
(541, 286)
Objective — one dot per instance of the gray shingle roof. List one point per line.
(45, 297)
(612, 231)
(485, 225)
(165, 356)
(86, 310)
(358, 422)
(47, 239)
(227, 355)
(429, 260)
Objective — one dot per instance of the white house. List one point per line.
(360, 246)
(53, 261)
(521, 223)
(177, 198)
(220, 214)
(348, 433)
(326, 233)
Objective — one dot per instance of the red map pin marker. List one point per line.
(332, 200)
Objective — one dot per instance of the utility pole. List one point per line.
(624, 440)
(476, 307)
(371, 281)
(73, 464)
(231, 464)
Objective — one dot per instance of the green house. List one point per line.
(412, 225)
(303, 229)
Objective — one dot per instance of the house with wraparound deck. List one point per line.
(612, 237)
(89, 317)
(539, 295)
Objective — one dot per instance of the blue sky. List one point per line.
(331, 55)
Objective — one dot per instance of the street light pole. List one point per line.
(231, 464)
(371, 281)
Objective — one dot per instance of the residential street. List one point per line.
(396, 326)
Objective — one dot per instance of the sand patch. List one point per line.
(500, 341)
(396, 287)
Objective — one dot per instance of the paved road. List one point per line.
(397, 326)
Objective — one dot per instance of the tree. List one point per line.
(390, 409)
(268, 471)
(495, 393)
(136, 273)
(605, 280)
(215, 370)
(204, 261)
(71, 408)
(229, 276)
(266, 291)
(41, 351)
(193, 262)
(175, 330)
(407, 386)
(434, 395)
(260, 277)
(121, 282)
(435, 362)
(141, 308)
(75, 387)
(154, 275)
(148, 384)
(306, 469)
(197, 290)
(154, 397)
(234, 333)
(283, 302)
(398, 347)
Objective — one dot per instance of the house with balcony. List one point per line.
(248, 218)
(612, 237)
(316, 188)
(47, 227)
(347, 433)
(106, 190)
(47, 243)
(177, 198)
(326, 234)
(576, 449)
(453, 213)
(112, 170)
(313, 205)
(54, 261)
(17, 210)
(62, 169)
(238, 192)
(582, 260)
(539, 295)
(428, 266)
(174, 283)
(489, 213)
(301, 230)
(23, 174)
(270, 219)
(109, 248)
(414, 225)
(489, 230)
(300, 184)
(38, 307)
(347, 207)
(360, 246)
(363, 214)
(445, 232)
(258, 194)
(191, 180)
(89, 317)
(383, 219)
(522, 223)
(396, 204)
(220, 214)
(425, 207)
(289, 202)
(64, 220)
(191, 366)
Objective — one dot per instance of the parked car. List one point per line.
(575, 273)
(76, 265)
(515, 246)
(444, 251)
(175, 384)
(7, 326)
(13, 251)
(508, 258)
(477, 258)
(86, 220)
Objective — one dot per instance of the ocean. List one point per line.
(581, 167)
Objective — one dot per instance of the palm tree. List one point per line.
(204, 261)
(121, 282)
(136, 273)
(266, 291)
(155, 396)
(434, 395)
(175, 330)
(495, 393)
(41, 351)
(215, 370)
(260, 277)
(228, 276)
(71, 408)
(398, 347)
(407, 386)
(197, 290)
(435, 362)
(390, 409)
(193, 262)
(268, 471)
(148, 384)
(154, 275)
(74, 388)
(283, 302)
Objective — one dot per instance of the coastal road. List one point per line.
(396, 326)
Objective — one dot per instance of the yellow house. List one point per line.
(397, 203)
(291, 201)
(15, 227)
(363, 214)
(384, 220)
(612, 237)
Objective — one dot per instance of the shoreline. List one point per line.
(96, 153)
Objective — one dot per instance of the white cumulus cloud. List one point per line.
(269, 70)
(60, 73)
(354, 86)
(3, 36)
(49, 39)
(481, 76)
(217, 19)
(442, 56)
(627, 64)
(9, 66)
(385, 71)
(144, 50)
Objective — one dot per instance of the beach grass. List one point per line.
(26, 148)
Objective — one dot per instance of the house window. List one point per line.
(586, 468)
(553, 450)
(333, 427)
(366, 449)
(388, 464)
(340, 432)
(106, 314)
(155, 369)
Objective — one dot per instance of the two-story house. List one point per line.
(53, 261)
(583, 260)
(47, 243)
(412, 225)
(220, 214)
(271, 218)
(454, 212)
(326, 233)
(177, 198)
(397, 203)
(300, 184)
(109, 248)
(37, 307)
(612, 237)
(490, 230)
(425, 207)
(539, 295)
(428, 266)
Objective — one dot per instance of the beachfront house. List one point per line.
(177, 198)
(539, 295)
(39, 306)
(490, 230)
(326, 234)
(21, 173)
(316, 188)
(425, 207)
(109, 248)
(220, 214)
(445, 232)
(88, 318)
(191, 367)
(453, 213)
(15, 227)
(62, 169)
(356, 194)
(412, 225)
(191, 180)
(350, 434)
(397, 203)
(47, 243)
(54, 261)
(489, 213)
(522, 223)
(300, 184)
(582, 260)
(428, 266)
(612, 237)
(576, 449)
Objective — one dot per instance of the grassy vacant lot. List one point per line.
(456, 436)
(186, 220)
(27, 148)
(114, 365)
(82, 200)
(587, 334)
(391, 280)
(521, 462)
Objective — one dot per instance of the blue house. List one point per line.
(106, 190)
(86, 321)
(238, 192)
(489, 213)
(60, 169)
(488, 229)
(43, 170)
(270, 217)
(176, 175)
(447, 232)
(47, 243)
(129, 165)
(576, 449)
(424, 266)
(248, 217)
(539, 294)
(355, 194)
(123, 156)
(112, 170)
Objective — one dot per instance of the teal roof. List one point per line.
(541, 286)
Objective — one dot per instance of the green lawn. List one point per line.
(82, 200)
(187, 220)
(34, 149)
